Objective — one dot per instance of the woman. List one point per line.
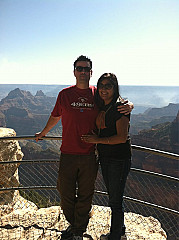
(114, 149)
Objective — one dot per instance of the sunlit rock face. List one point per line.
(10, 151)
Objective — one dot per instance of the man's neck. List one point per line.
(82, 85)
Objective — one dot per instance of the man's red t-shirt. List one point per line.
(79, 112)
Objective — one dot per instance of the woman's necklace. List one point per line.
(103, 114)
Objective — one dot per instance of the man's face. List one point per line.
(82, 71)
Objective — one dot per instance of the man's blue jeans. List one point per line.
(115, 172)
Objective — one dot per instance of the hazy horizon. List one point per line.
(90, 85)
(143, 97)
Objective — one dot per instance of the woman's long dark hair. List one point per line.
(113, 80)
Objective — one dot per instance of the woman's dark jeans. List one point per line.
(115, 172)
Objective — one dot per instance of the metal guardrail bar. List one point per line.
(97, 192)
(32, 161)
(142, 202)
(57, 160)
(27, 188)
(154, 174)
(30, 138)
(151, 205)
(156, 152)
(134, 147)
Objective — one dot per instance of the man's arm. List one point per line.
(126, 107)
(52, 121)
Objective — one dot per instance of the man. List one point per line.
(76, 108)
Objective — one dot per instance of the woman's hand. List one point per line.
(90, 138)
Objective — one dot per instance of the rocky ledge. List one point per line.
(46, 223)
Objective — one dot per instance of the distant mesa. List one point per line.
(19, 93)
(15, 93)
(24, 112)
(39, 94)
(170, 110)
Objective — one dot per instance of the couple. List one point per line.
(81, 108)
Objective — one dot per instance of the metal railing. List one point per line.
(147, 193)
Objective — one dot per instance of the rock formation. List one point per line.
(153, 116)
(21, 109)
(38, 104)
(164, 137)
(10, 151)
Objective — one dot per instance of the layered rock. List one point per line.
(153, 116)
(19, 99)
(164, 137)
(21, 109)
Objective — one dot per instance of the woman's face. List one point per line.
(106, 91)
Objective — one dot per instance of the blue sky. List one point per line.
(138, 40)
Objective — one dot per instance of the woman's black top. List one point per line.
(119, 151)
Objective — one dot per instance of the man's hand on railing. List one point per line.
(52, 121)
(39, 136)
